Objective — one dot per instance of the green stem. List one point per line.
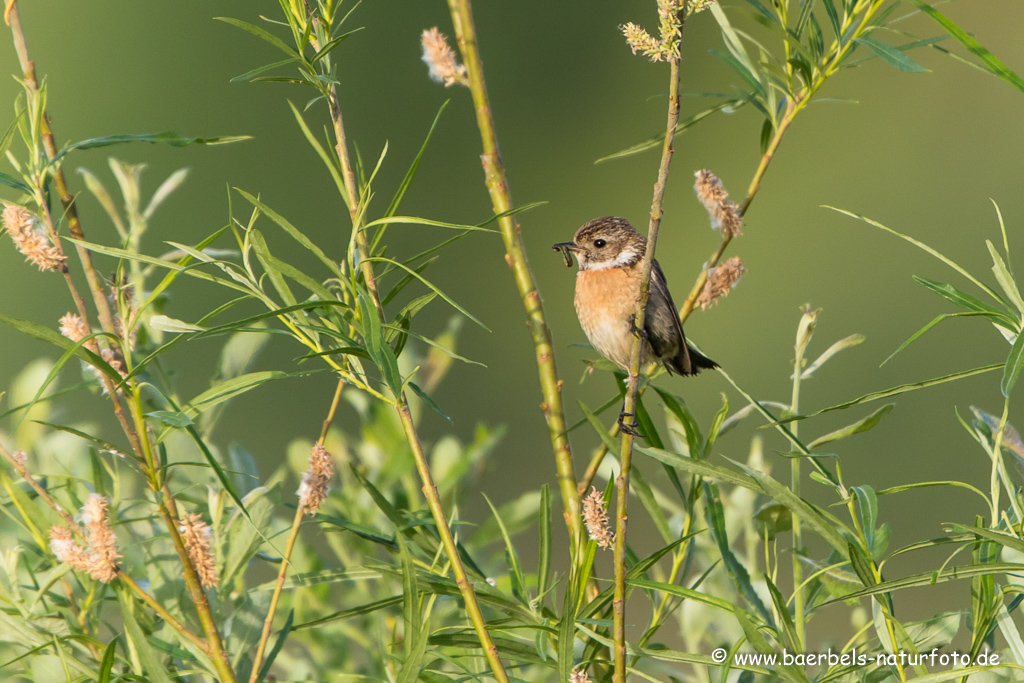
(448, 541)
(798, 571)
(515, 256)
(293, 535)
(629, 407)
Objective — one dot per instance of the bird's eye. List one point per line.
(599, 243)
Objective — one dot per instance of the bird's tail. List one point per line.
(689, 361)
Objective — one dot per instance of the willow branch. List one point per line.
(293, 535)
(515, 256)
(401, 404)
(67, 200)
(629, 408)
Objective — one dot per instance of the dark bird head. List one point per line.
(604, 243)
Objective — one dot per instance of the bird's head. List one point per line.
(607, 242)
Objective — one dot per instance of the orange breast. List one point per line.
(605, 303)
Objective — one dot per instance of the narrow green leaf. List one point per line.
(1013, 366)
(44, 333)
(429, 401)
(857, 427)
(250, 75)
(515, 569)
(825, 524)
(715, 514)
(167, 138)
(107, 664)
(938, 319)
(330, 45)
(932, 578)
(988, 60)
(294, 232)
(544, 544)
(261, 33)
(153, 665)
(921, 245)
(441, 294)
(782, 609)
(171, 418)
(895, 391)
(1005, 278)
(368, 608)
(382, 355)
(14, 183)
(967, 301)
(413, 168)
(891, 55)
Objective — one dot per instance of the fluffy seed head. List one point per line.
(66, 550)
(579, 675)
(73, 327)
(596, 519)
(99, 558)
(721, 281)
(103, 553)
(722, 211)
(670, 26)
(196, 535)
(20, 457)
(30, 238)
(440, 59)
(313, 490)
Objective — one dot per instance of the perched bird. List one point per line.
(610, 253)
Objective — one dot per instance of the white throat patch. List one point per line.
(622, 259)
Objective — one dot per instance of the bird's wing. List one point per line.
(664, 331)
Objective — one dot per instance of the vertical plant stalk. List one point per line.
(629, 407)
(448, 541)
(515, 255)
(67, 200)
(293, 535)
(798, 572)
(401, 404)
(214, 645)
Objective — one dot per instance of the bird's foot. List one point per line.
(637, 332)
(626, 428)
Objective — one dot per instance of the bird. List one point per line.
(610, 254)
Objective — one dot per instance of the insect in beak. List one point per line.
(566, 248)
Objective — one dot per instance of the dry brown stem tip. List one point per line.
(596, 519)
(723, 212)
(313, 490)
(721, 281)
(29, 236)
(196, 535)
(441, 60)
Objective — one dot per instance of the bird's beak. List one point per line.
(566, 248)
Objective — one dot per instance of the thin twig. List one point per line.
(629, 407)
(501, 199)
(300, 511)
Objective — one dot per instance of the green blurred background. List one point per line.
(922, 153)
